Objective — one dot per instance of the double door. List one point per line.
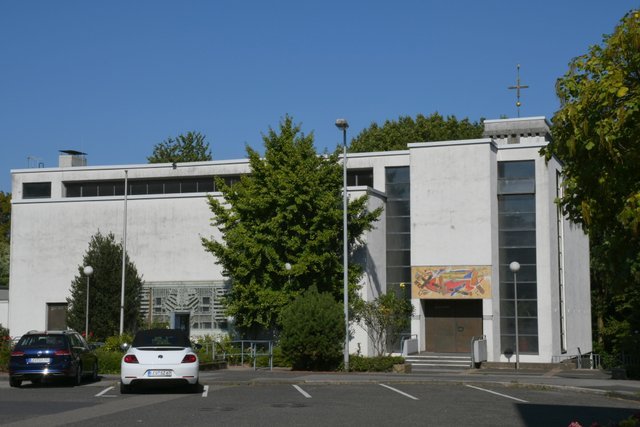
(450, 324)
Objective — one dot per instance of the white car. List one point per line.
(159, 356)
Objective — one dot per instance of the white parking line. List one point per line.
(304, 393)
(104, 391)
(401, 392)
(205, 392)
(499, 394)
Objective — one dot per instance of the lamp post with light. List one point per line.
(515, 267)
(88, 271)
(343, 125)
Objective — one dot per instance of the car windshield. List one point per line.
(41, 341)
(161, 338)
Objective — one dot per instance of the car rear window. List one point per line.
(42, 341)
(161, 338)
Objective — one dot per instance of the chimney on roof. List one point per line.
(72, 158)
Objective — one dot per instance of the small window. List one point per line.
(36, 190)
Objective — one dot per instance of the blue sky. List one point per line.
(114, 78)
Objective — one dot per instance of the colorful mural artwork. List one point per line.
(468, 281)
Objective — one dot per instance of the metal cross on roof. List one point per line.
(517, 87)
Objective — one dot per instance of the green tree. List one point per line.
(395, 135)
(313, 331)
(5, 235)
(191, 147)
(105, 256)
(384, 318)
(596, 135)
(5, 216)
(288, 210)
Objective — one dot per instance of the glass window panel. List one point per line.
(119, 188)
(508, 344)
(397, 174)
(517, 238)
(517, 221)
(527, 273)
(517, 203)
(89, 189)
(399, 241)
(526, 291)
(106, 189)
(522, 255)
(519, 169)
(398, 208)
(172, 187)
(507, 308)
(205, 185)
(189, 186)
(528, 344)
(73, 190)
(507, 325)
(516, 186)
(138, 187)
(398, 225)
(397, 258)
(527, 309)
(398, 191)
(398, 274)
(527, 326)
(36, 190)
(155, 187)
(231, 179)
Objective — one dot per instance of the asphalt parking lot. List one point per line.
(247, 398)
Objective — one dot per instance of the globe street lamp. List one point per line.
(88, 271)
(343, 125)
(287, 266)
(515, 267)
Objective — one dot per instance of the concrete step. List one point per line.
(438, 361)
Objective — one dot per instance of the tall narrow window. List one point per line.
(517, 242)
(561, 282)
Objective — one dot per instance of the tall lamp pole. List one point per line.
(124, 250)
(343, 125)
(88, 271)
(515, 267)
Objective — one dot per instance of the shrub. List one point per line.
(5, 348)
(373, 364)
(313, 331)
(113, 343)
(109, 361)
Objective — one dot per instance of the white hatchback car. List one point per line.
(159, 356)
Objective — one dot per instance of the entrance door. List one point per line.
(181, 321)
(450, 324)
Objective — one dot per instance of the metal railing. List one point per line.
(239, 352)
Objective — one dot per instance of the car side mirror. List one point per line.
(124, 346)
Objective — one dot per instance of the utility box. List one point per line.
(479, 352)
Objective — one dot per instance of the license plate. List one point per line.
(39, 360)
(160, 373)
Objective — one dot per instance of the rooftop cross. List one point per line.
(517, 87)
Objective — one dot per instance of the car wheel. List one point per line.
(77, 380)
(94, 372)
(125, 389)
(14, 382)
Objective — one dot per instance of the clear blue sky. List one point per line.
(113, 78)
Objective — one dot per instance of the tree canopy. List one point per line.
(287, 211)
(105, 256)
(396, 134)
(596, 134)
(191, 147)
(5, 235)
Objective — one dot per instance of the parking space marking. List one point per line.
(101, 394)
(205, 392)
(304, 393)
(499, 394)
(401, 392)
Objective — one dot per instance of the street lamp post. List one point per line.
(124, 250)
(287, 266)
(515, 267)
(88, 271)
(343, 125)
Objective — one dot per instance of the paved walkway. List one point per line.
(592, 381)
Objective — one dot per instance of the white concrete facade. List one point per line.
(453, 222)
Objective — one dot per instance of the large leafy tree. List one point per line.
(191, 147)
(396, 134)
(597, 137)
(105, 256)
(287, 211)
(5, 235)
